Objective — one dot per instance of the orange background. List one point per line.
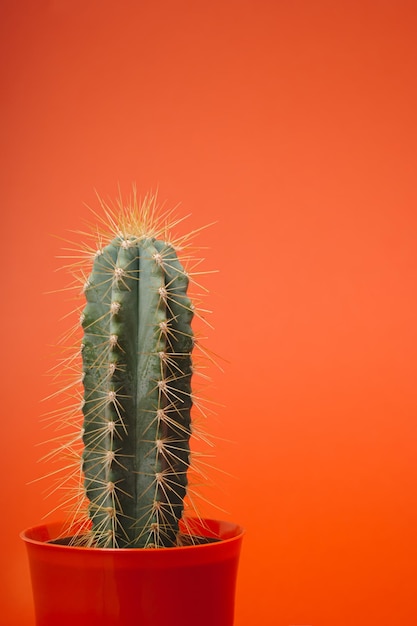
(292, 124)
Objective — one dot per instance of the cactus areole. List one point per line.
(136, 354)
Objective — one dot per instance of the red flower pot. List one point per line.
(185, 586)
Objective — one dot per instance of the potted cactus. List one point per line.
(128, 554)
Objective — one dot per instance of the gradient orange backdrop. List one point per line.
(293, 125)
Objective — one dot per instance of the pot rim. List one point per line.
(231, 532)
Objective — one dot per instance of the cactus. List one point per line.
(137, 379)
(136, 375)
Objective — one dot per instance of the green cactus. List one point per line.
(137, 369)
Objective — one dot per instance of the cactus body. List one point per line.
(137, 369)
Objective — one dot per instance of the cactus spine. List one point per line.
(137, 369)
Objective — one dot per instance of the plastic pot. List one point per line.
(185, 586)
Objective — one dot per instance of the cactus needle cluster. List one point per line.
(136, 375)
